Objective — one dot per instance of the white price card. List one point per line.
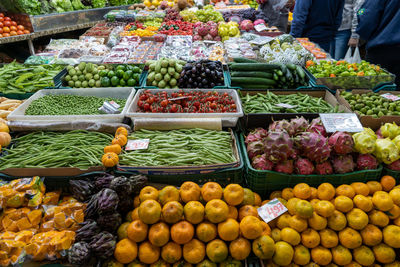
(283, 105)
(137, 144)
(260, 27)
(341, 122)
(271, 210)
(391, 96)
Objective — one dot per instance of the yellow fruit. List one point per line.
(357, 219)
(240, 248)
(364, 256)
(384, 253)
(167, 194)
(391, 236)
(290, 236)
(233, 194)
(304, 209)
(149, 211)
(301, 255)
(194, 212)
(350, 238)
(217, 251)
(228, 230)
(329, 238)
(194, 251)
(382, 201)
(324, 208)
(264, 247)
(298, 224)
(363, 203)
(310, 238)
(216, 211)
(250, 227)
(172, 212)
(341, 255)
(190, 191)
(125, 251)
(291, 205)
(371, 235)
(337, 221)
(317, 222)
(343, 204)
(283, 253)
(248, 198)
(148, 192)
(321, 255)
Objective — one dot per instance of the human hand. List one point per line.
(290, 3)
(353, 42)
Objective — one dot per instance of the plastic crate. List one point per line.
(263, 182)
(394, 174)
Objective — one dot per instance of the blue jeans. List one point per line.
(339, 44)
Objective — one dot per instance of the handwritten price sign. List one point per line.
(390, 97)
(137, 144)
(271, 210)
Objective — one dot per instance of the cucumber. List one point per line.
(258, 74)
(255, 86)
(244, 60)
(291, 66)
(300, 71)
(253, 67)
(252, 80)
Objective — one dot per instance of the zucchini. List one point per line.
(243, 60)
(254, 67)
(258, 74)
(291, 66)
(252, 80)
(300, 71)
(255, 86)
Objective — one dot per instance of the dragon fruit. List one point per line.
(258, 21)
(343, 163)
(278, 146)
(285, 167)
(213, 32)
(197, 38)
(255, 148)
(365, 141)
(313, 146)
(282, 125)
(341, 143)
(304, 166)
(316, 126)
(386, 151)
(261, 162)
(390, 130)
(208, 37)
(395, 165)
(324, 168)
(202, 30)
(256, 135)
(198, 24)
(366, 162)
(379, 134)
(299, 125)
(217, 38)
(246, 25)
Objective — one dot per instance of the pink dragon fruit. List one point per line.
(198, 24)
(258, 21)
(395, 166)
(212, 24)
(202, 30)
(261, 162)
(316, 126)
(246, 25)
(278, 146)
(282, 125)
(208, 37)
(366, 162)
(304, 166)
(256, 135)
(299, 125)
(341, 142)
(379, 134)
(324, 168)
(285, 167)
(313, 146)
(217, 38)
(197, 38)
(255, 148)
(343, 164)
(213, 32)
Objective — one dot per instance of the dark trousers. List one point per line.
(388, 57)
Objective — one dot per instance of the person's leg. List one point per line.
(341, 41)
(388, 58)
(324, 45)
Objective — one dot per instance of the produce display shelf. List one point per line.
(394, 174)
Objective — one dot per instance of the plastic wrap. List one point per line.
(239, 47)
(115, 36)
(39, 59)
(72, 53)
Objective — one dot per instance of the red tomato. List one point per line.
(1, 35)
(1, 14)
(1, 30)
(19, 32)
(1, 19)
(7, 19)
(21, 28)
(13, 33)
(26, 32)
(6, 34)
(13, 23)
(1, 25)
(7, 23)
(6, 29)
(13, 28)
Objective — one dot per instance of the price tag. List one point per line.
(390, 96)
(271, 210)
(283, 105)
(137, 144)
(260, 27)
(109, 107)
(341, 122)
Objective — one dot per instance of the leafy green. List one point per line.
(118, 2)
(99, 3)
(77, 5)
(32, 7)
(62, 5)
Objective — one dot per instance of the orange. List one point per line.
(301, 255)
(264, 247)
(182, 263)
(149, 211)
(206, 263)
(388, 182)
(248, 197)
(216, 211)
(137, 231)
(266, 228)
(228, 230)
(360, 188)
(190, 191)
(283, 253)
(310, 238)
(345, 190)
(343, 203)
(353, 264)
(297, 223)
(171, 252)
(374, 186)
(321, 255)
(136, 263)
(148, 192)
(326, 191)
(337, 221)
(378, 218)
(206, 231)
(172, 212)
(233, 194)
(341, 255)
(194, 212)
(122, 231)
(391, 236)
(314, 202)
(276, 194)
(148, 253)
(290, 236)
(324, 208)
(211, 190)
(384, 253)
(160, 263)
(135, 214)
(233, 212)
(371, 235)
(287, 193)
(291, 205)
(194, 251)
(394, 212)
(396, 221)
(159, 234)
(395, 195)
(350, 238)
(217, 251)
(257, 199)
(136, 202)
(240, 248)
(250, 227)
(329, 238)
(314, 193)
(382, 201)
(247, 210)
(125, 251)
(182, 232)
(302, 191)
(364, 256)
(304, 209)
(276, 234)
(363, 203)
(167, 194)
(357, 219)
(317, 222)
(283, 221)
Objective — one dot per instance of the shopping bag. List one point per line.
(353, 57)
(356, 56)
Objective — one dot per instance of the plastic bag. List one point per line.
(277, 5)
(355, 58)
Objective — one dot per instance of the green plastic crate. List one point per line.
(264, 182)
(394, 174)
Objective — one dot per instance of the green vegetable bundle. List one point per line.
(79, 149)
(180, 148)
